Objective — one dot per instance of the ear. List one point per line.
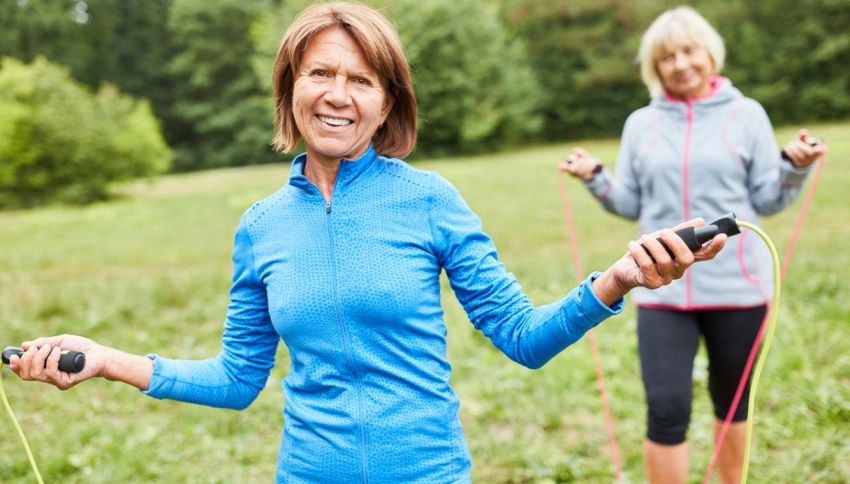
(389, 102)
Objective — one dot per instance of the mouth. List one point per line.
(334, 121)
(686, 77)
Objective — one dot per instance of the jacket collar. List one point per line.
(349, 170)
(722, 91)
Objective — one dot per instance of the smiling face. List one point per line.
(338, 99)
(685, 69)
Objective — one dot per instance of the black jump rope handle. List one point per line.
(695, 237)
(70, 361)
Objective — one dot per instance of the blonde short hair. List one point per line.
(679, 25)
(382, 49)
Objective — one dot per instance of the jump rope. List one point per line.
(74, 361)
(768, 325)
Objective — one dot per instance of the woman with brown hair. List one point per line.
(343, 264)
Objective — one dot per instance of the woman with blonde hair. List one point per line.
(700, 148)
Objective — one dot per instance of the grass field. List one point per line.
(150, 271)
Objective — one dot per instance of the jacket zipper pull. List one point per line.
(327, 207)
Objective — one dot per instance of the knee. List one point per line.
(668, 417)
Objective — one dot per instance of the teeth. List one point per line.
(335, 121)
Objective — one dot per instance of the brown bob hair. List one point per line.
(381, 48)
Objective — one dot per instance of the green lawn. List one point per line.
(149, 272)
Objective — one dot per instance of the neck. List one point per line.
(322, 174)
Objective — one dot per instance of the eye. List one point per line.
(320, 73)
(362, 81)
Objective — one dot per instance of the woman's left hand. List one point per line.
(800, 150)
(647, 263)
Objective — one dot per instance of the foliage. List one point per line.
(473, 89)
(792, 56)
(582, 53)
(488, 73)
(150, 273)
(219, 99)
(59, 143)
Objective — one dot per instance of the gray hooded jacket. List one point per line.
(702, 158)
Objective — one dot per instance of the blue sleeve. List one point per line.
(492, 297)
(772, 182)
(239, 373)
(620, 195)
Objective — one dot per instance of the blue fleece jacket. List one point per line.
(352, 287)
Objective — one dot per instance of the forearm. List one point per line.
(132, 369)
(614, 195)
(531, 336)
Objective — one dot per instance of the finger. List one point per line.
(682, 255)
(655, 249)
(794, 150)
(661, 259)
(802, 134)
(570, 168)
(15, 364)
(40, 360)
(26, 362)
(36, 342)
(710, 250)
(580, 152)
(639, 254)
(647, 270)
(51, 367)
(44, 340)
(802, 153)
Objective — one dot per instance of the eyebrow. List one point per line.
(332, 67)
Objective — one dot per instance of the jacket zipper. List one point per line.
(685, 192)
(352, 365)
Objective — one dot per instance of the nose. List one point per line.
(680, 60)
(337, 93)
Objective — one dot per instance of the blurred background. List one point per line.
(131, 88)
(126, 131)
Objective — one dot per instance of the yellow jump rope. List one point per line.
(18, 428)
(768, 339)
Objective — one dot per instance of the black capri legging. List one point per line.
(667, 343)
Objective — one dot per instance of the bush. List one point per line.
(60, 143)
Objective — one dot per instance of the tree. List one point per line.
(474, 91)
(60, 143)
(792, 57)
(583, 54)
(225, 116)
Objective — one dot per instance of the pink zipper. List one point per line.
(685, 200)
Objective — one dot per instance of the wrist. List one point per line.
(592, 174)
(132, 369)
(790, 160)
(608, 288)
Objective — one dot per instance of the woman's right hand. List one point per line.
(580, 164)
(648, 264)
(40, 361)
